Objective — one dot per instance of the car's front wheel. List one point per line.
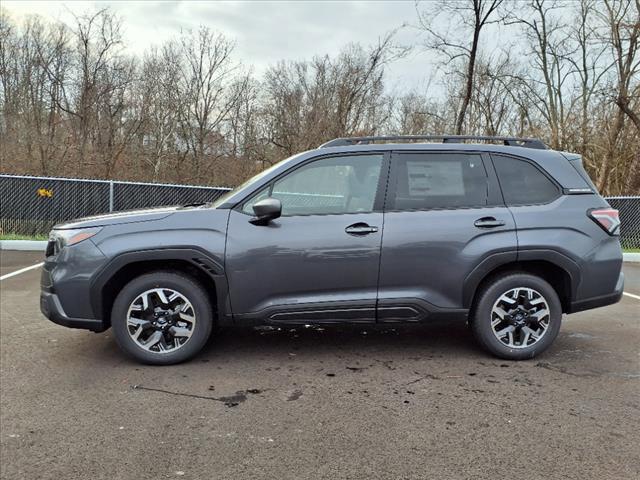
(162, 318)
(516, 316)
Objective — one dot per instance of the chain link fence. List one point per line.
(629, 208)
(30, 206)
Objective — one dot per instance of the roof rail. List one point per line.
(510, 141)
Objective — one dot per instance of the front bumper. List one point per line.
(52, 309)
(599, 301)
(65, 296)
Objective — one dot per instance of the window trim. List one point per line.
(558, 187)
(381, 190)
(493, 190)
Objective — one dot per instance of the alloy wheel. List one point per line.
(161, 320)
(520, 317)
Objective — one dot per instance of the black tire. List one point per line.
(482, 315)
(190, 289)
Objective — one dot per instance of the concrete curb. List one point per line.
(27, 245)
(40, 246)
(631, 257)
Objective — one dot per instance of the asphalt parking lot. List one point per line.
(410, 403)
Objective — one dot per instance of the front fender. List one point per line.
(194, 236)
(198, 258)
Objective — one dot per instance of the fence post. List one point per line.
(110, 195)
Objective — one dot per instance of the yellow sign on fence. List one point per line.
(44, 192)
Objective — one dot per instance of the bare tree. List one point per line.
(549, 42)
(310, 102)
(491, 107)
(98, 41)
(158, 107)
(29, 95)
(116, 125)
(205, 86)
(473, 16)
(247, 149)
(591, 64)
(622, 19)
(73, 103)
(9, 70)
(415, 114)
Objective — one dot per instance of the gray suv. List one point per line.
(370, 230)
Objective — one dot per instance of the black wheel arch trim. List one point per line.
(558, 259)
(199, 258)
(497, 260)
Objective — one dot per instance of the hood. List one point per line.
(130, 216)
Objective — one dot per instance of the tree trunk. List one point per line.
(469, 85)
(608, 159)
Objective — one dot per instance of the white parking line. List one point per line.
(637, 297)
(22, 270)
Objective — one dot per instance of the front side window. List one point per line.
(334, 185)
(439, 180)
(261, 195)
(522, 183)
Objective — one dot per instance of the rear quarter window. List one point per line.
(523, 183)
(577, 164)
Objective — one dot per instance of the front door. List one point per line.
(319, 261)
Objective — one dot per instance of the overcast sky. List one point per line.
(264, 32)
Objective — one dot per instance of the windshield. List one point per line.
(253, 179)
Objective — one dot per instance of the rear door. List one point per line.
(444, 222)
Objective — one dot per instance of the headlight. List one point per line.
(63, 238)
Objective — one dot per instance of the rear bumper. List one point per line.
(52, 309)
(599, 301)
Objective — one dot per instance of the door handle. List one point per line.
(488, 222)
(359, 229)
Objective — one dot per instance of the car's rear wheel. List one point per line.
(516, 316)
(162, 318)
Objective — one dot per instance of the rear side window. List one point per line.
(522, 183)
(439, 180)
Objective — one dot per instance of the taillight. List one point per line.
(607, 218)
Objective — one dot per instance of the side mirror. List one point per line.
(266, 210)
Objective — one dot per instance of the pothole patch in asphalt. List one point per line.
(295, 395)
